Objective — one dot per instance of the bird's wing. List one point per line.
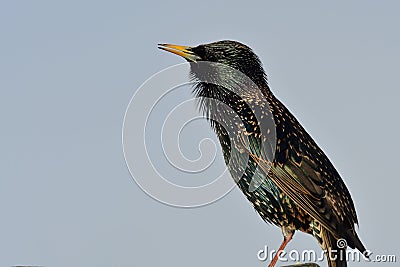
(305, 174)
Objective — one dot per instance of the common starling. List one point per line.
(298, 188)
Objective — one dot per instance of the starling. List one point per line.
(298, 188)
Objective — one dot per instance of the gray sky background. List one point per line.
(68, 70)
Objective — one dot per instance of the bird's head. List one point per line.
(230, 53)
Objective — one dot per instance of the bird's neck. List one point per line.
(235, 118)
(216, 98)
(227, 108)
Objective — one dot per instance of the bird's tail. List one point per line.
(354, 241)
(335, 252)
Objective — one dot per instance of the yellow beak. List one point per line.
(180, 50)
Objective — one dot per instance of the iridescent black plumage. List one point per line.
(297, 189)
